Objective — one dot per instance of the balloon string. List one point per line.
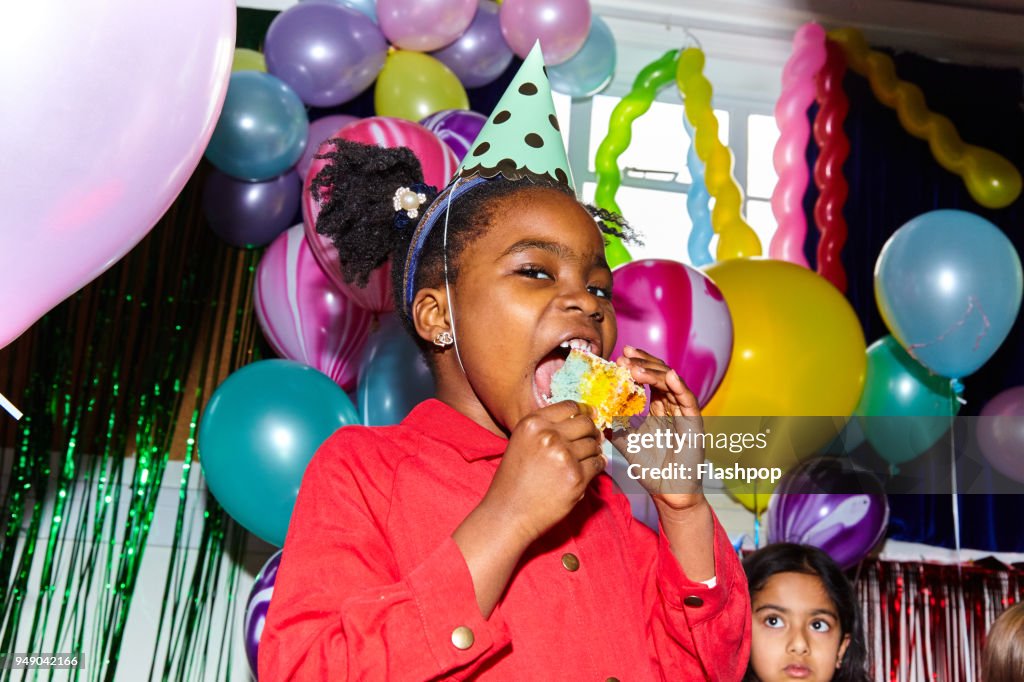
(9, 406)
(957, 390)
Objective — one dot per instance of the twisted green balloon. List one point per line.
(648, 82)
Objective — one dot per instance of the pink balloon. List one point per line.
(561, 26)
(303, 315)
(91, 159)
(320, 131)
(439, 163)
(675, 313)
(424, 25)
(798, 92)
(1001, 432)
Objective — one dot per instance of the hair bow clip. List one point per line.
(408, 201)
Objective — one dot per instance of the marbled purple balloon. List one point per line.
(256, 608)
(829, 504)
(457, 128)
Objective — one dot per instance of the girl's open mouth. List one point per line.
(551, 363)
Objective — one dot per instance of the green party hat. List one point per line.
(521, 138)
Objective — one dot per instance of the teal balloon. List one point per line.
(592, 68)
(393, 375)
(258, 433)
(948, 285)
(262, 129)
(904, 408)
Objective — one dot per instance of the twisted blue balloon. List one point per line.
(699, 243)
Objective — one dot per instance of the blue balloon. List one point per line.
(262, 130)
(393, 375)
(948, 285)
(592, 68)
(367, 7)
(258, 433)
(698, 245)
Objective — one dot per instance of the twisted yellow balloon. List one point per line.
(991, 179)
(736, 239)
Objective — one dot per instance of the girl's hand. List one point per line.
(670, 398)
(552, 455)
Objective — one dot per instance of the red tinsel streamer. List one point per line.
(834, 147)
(918, 617)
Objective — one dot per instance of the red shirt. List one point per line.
(372, 587)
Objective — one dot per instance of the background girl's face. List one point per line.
(796, 634)
(530, 285)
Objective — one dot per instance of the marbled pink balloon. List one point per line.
(303, 315)
(438, 162)
(675, 313)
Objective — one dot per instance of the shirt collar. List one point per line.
(440, 422)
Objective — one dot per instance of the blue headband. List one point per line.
(438, 207)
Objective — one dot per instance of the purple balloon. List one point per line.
(256, 609)
(424, 25)
(248, 214)
(327, 53)
(457, 128)
(320, 131)
(480, 54)
(829, 504)
(561, 26)
(1000, 432)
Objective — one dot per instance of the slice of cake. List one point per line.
(604, 386)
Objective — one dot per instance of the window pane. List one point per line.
(562, 108)
(761, 218)
(762, 134)
(660, 218)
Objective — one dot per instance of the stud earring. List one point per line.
(444, 339)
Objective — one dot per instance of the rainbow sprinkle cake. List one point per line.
(603, 385)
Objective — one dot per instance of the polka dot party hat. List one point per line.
(521, 138)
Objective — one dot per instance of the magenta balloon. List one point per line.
(457, 128)
(327, 53)
(424, 25)
(480, 54)
(1000, 432)
(675, 313)
(827, 503)
(438, 162)
(320, 131)
(561, 26)
(303, 315)
(98, 141)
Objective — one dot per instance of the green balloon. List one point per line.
(652, 78)
(904, 408)
(258, 433)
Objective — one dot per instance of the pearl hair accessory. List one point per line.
(409, 201)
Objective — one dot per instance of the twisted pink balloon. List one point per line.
(798, 91)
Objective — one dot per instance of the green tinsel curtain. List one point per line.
(112, 383)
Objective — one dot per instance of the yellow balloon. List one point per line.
(991, 179)
(736, 239)
(413, 85)
(248, 60)
(798, 351)
(756, 502)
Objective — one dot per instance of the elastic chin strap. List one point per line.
(447, 288)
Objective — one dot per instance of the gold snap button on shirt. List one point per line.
(462, 637)
(612, 679)
(570, 562)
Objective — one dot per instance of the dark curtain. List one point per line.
(893, 178)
